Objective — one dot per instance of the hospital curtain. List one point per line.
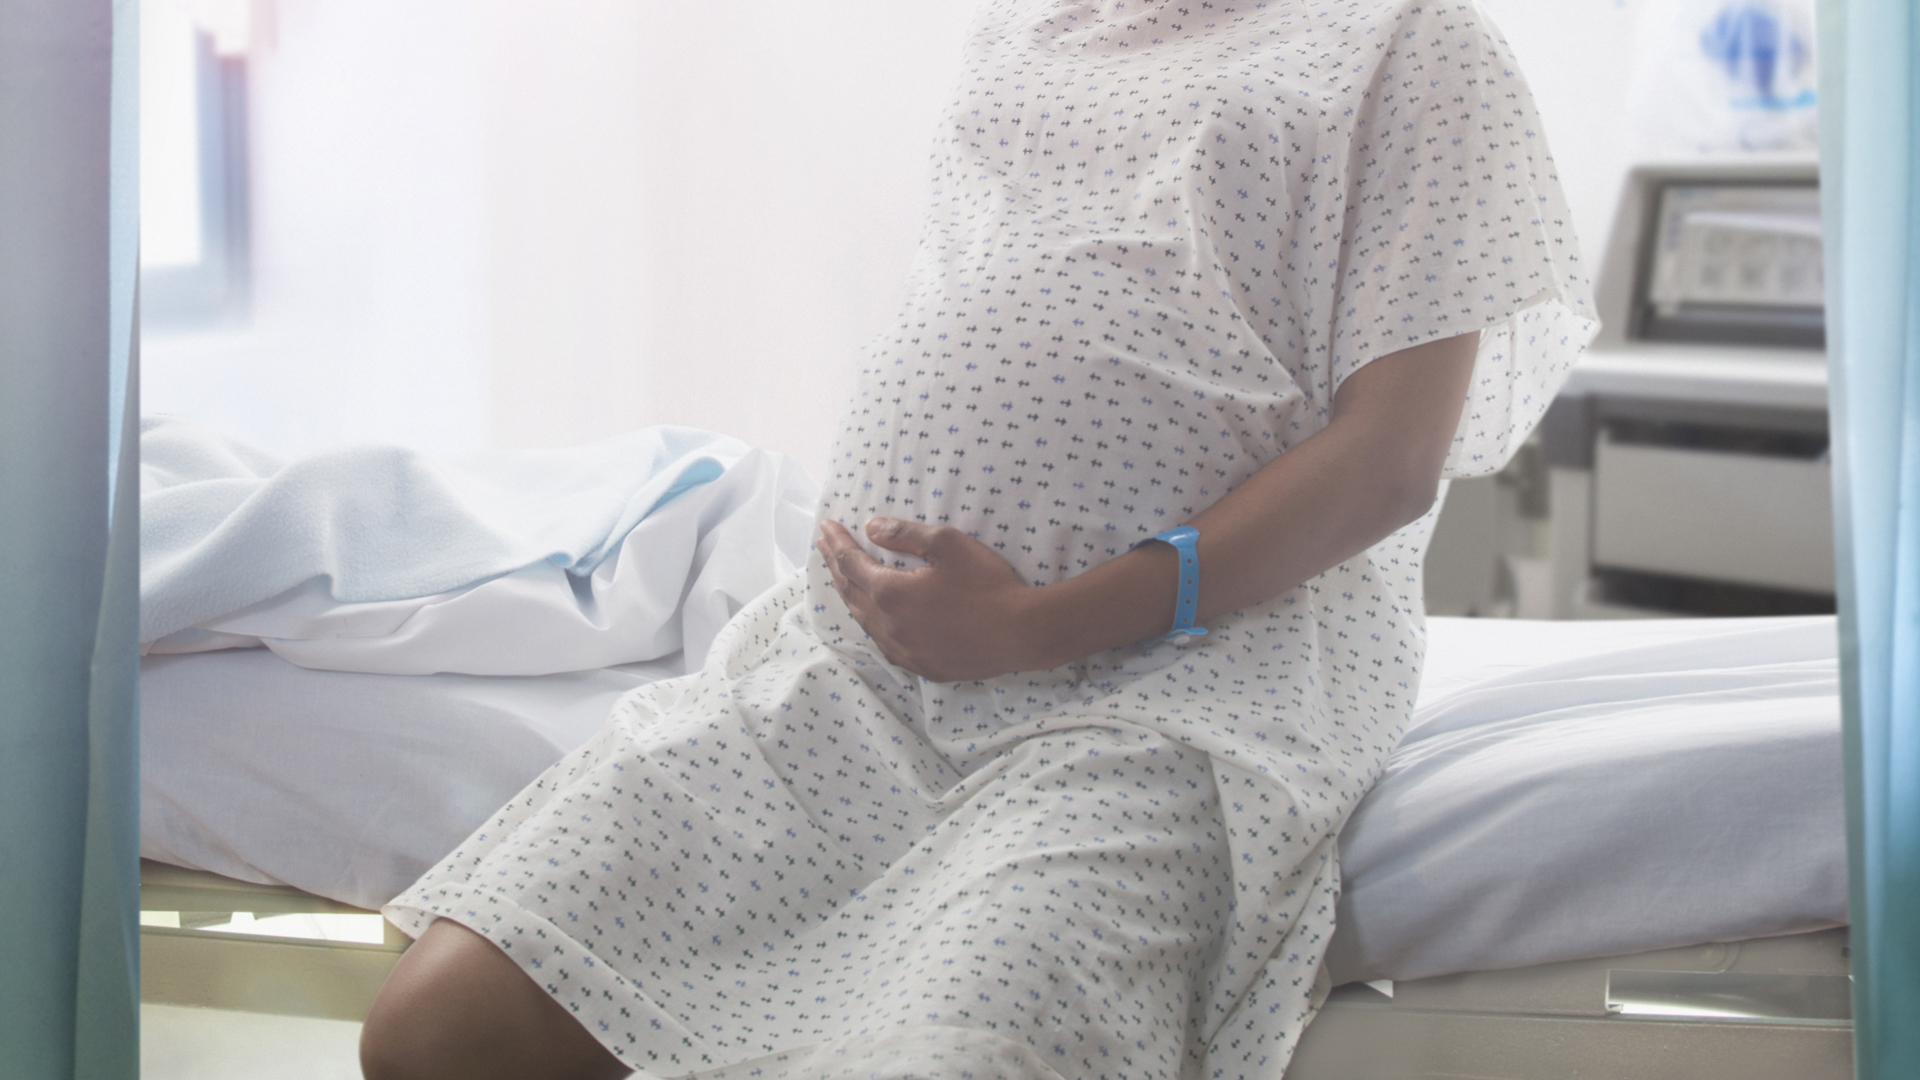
(69, 534)
(1870, 191)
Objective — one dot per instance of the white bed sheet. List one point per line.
(344, 784)
(1583, 789)
(1566, 790)
(513, 562)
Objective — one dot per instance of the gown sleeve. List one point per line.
(1455, 221)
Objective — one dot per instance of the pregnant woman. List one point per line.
(955, 803)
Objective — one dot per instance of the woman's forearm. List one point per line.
(1373, 469)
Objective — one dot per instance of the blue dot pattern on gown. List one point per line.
(1161, 235)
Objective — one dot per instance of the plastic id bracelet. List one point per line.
(1184, 540)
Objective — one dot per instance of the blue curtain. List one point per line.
(69, 533)
(1870, 191)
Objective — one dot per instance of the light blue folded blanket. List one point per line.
(225, 526)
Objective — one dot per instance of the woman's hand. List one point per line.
(962, 616)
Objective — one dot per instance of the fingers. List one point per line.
(840, 553)
(851, 565)
(851, 570)
(859, 578)
(911, 537)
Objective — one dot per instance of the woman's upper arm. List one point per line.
(1407, 407)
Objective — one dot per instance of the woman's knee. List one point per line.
(456, 1006)
(416, 1028)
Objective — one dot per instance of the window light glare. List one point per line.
(361, 929)
(364, 929)
(228, 22)
(170, 226)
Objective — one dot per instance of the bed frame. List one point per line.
(1763, 1009)
(286, 976)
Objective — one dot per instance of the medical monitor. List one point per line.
(1717, 253)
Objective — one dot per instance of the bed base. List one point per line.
(1762, 1009)
(286, 976)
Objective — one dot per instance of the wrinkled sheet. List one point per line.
(1567, 789)
(379, 559)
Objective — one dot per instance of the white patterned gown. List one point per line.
(1161, 235)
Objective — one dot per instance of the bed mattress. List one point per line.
(1569, 790)
(1565, 789)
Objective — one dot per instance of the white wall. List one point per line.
(567, 310)
(489, 223)
(1578, 57)
(704, 211)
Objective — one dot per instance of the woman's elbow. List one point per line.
(1410, 495)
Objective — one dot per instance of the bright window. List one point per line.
(193, 171)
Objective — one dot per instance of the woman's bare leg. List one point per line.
(457, 1007)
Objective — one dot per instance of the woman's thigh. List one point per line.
(456, 1006)
(1073, 905)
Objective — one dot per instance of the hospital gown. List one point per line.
(1161, 235)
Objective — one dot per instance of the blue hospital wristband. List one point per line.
(1185, 540)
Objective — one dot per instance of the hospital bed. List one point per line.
(1605, 848)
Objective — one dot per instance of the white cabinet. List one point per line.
(1753, 519)
(1689, 503)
